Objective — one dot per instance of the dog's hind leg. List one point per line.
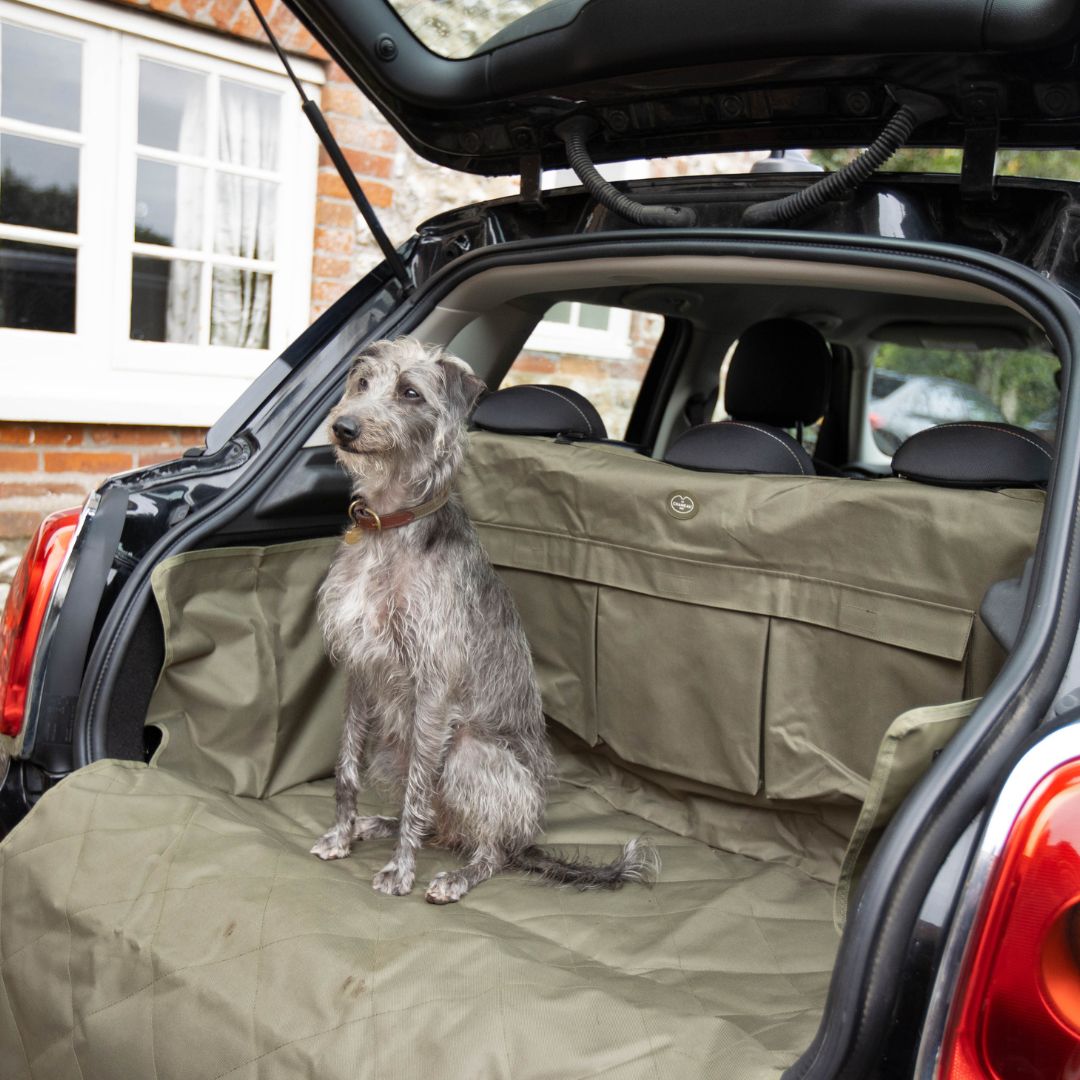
(451, 885)
(336, 843)
(492, 804)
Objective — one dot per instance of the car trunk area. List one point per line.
(754, 686)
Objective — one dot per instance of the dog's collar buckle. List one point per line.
(362, 518)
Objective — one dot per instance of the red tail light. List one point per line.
(25, 609)
(875, 421)
(1018, 1009)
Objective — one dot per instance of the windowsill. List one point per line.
(135, 398)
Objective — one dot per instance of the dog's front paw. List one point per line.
(446, 888)
(394, 880)
(332, 846)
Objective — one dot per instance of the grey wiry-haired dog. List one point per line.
(441, 701)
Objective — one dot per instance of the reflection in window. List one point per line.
(165, 300)
(172, 108)
(40, 84)
(37, 287)
(168, 204)
(40, 78)
(39, 183)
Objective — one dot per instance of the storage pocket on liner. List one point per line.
(907, 750)
(679, 687)
(829, 696)
(559, 616)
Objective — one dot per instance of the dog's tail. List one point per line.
(639, 862)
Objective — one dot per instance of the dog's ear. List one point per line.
(463, 388)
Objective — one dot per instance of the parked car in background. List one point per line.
(901, 405)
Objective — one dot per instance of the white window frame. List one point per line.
(98, 374)
(569, 338)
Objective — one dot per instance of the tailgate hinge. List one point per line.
(981, 137)
(330, 144)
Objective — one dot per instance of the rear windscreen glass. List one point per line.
(459, 28)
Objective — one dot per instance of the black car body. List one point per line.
(788, 75)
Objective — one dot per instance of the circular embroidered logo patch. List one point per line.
(681, 505)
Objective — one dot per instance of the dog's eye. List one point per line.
(361, 384)
(410, 393)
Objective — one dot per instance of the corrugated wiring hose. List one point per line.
(573, 133)
(910, 114)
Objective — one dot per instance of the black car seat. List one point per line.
(779, 375)
(535, 409)
(975, 454)
(980, 454)
(737, 446)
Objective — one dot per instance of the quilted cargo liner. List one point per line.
(166, 921)
(154, 927)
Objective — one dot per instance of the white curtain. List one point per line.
(245, 215)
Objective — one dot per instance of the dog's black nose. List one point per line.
(345, 429)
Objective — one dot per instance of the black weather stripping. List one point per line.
(326, 137)
(573, 133)
(914, 109)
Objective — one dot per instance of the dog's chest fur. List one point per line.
(367, 605)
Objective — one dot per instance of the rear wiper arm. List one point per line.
(330, 144)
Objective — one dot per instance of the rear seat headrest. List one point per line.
(732, 446)
(975, 454)
(779, 374)
(539, 410)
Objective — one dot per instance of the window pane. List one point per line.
(172, 108)
(245, 217)
(240, 312)
(165, 299)
(559, 312)
(40, 77)
(37, 287)
(39, 183)
(594, 317)
(610, 384)
(915, 387)
(169, 204)
(248, 126)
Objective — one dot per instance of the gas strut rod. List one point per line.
(573, 133)
(330, 144)
(913, 110)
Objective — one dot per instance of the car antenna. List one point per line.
(330, 144)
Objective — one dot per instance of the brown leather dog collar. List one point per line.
(363, 519)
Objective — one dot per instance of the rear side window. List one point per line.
(599, 351)
(912, 388)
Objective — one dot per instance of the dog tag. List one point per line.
(353, 534)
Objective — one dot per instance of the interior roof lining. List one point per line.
(495, 288)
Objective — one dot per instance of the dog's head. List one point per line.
(401, 421)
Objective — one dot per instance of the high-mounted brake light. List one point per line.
(1017, 1013)
(25, 610)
